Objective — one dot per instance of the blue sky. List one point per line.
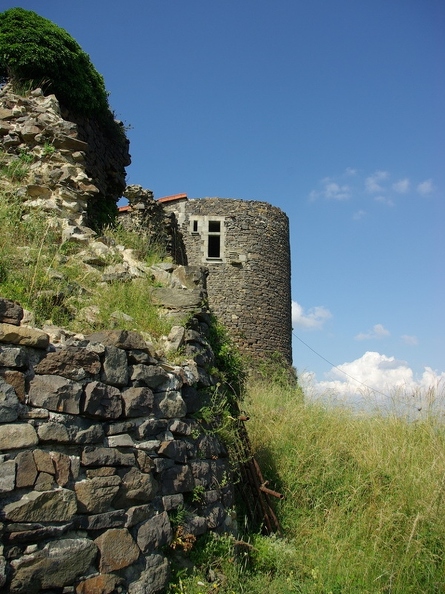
(332, 111)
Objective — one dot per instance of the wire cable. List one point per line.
(340, 370)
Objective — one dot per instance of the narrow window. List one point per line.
(214, 240)
(195, 226)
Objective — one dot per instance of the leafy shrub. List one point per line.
(36, 52)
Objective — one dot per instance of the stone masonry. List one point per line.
(99, 449)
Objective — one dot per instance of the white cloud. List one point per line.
(333, 191)
(350, 171)
(386, 380)
(384, 200)
(425, 187)
(313, 319)
(402, 186)
(410, 340)
(372, 183)
(378, 331)
(359, 215)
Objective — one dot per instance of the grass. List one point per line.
(363, 509)
(50, 279)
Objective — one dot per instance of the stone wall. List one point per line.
(248, 281)
(99, 451)
(68, 166)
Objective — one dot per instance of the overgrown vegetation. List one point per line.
(363, 507)
(34, 52)
(51, 279)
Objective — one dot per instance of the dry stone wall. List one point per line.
(65, 166)
(99, 450)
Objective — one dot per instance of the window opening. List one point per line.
(195, 226)
(214, 240)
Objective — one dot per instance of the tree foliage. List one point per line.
(34, 52)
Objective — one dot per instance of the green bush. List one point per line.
(34, 52)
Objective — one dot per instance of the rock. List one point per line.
(15, 357)
(46, 506)
(10, 312)
(16, 379)
(101, 584)
(19, 435)
(56, 565)
(111, 519)
(152, 376)
(26, 469)
(176, 450)
(7, 476)
(138, 514)
(102, 401)
(34, 532)
(170, 405)
(55, 393)
(177, 479)
(53, 432)
(122, 339)
(95, 495)
(117, 550)
(92, 456)
(9, 403)
(43, 461)
(175, 339)
(115, 370)
(71, 363)
(154, 533)
(24, 336)
(62, 465)
(136, 487)
(138, 402)
(154, 578)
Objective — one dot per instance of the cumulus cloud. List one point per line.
(387, 379)
(372, 183)
(313, 319)
(334, 191)
(378, 331)
(425, 187)
(402, 186)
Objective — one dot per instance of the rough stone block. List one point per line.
(101, 584)
(136, 487)
(115, 369)
(17, 436)
(10, 312)
(170, 405)
(117, 550)
(53, 432)
(23, 335)
(73, 363)
(55, 393)
(92, 456)
(46, 506)
(138, 402)
(152, 376)
(177, 450)
(9, 403)
(26, 469)
(15, 357)
(7, 476)
(102, 401)
(16, 379)
(56, 565)
(95, 495)
(177, 479)
(154, 578)
(154, 533)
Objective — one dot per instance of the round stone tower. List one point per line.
(245, 246)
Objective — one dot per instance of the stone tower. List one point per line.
(245, 247)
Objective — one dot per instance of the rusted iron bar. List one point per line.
(264, 489)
